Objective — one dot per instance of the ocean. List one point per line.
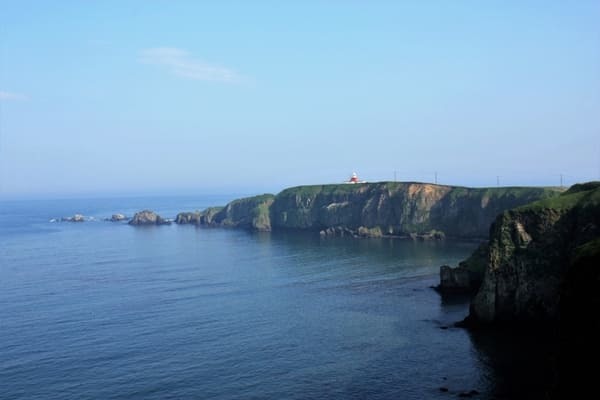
(104, 310)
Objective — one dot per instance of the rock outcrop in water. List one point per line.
(466, 278)
(188, 217)
(148, 217)
(418, 210)
(205, 217)
(117, 218)
(74, 218)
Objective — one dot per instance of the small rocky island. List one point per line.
(147, 217)
(117, 218)
(74, 218)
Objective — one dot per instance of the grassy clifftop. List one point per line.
(579, 195)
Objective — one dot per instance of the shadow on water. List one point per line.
(514, 362)
(517, 363)
(455, 299)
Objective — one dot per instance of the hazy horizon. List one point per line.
(133, 98)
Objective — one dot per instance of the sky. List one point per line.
(171, 97)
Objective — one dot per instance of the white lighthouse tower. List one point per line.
(354, 179)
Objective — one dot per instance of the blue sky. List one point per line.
(133, 97)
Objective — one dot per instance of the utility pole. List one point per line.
(561, 181)
(435, 177)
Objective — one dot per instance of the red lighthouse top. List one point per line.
(354, 178)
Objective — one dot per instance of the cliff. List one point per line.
(248, 213)
(399, 209)
(542, 269)
(418, 210)
(537, 255)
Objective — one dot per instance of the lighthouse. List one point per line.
(354, 178)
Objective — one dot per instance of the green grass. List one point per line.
(313, 190)
(254, 199)
(580, 195)
(456, 191)
(581, 187)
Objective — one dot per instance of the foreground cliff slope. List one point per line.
(542, 269)
(378, 209)
(539, 254)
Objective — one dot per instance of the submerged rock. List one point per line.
(340, 231)
(370, 232)
(470, 393)
(147, 217)
(74, 218)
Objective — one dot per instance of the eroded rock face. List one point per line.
(454, 280)
(419, 210)
(206, 217)
(530, 251)
(523, 275)
(148, 217)
(188, 218)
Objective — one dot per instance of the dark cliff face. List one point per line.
(543, 265)
(531, 257)
(398, 208)
(391, 207)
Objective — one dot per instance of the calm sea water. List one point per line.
(101, 310)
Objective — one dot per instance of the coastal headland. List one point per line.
(393, 209)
